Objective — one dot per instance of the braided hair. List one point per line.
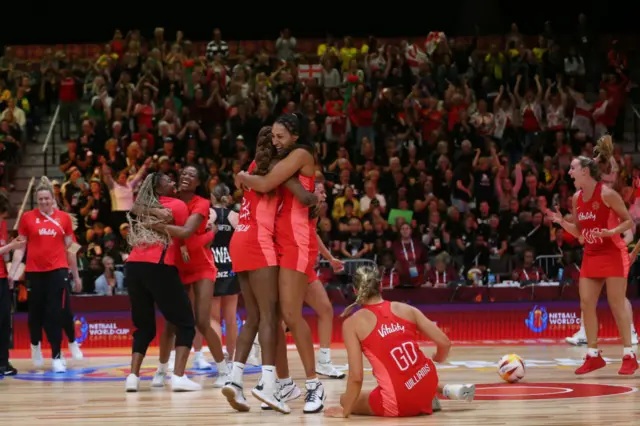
(265, 152)
(141, 233)
(367, 283)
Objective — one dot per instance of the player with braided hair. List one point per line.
(48, 234)
(255, 260)
(153, 279)
(293, 239)
(387, 333)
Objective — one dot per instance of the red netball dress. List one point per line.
(252, 246)
(407, 379)
(313, 251)
(160, 253)
(603, 257)
(200, 265)
(293, 230)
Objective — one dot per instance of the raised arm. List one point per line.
(282, 171)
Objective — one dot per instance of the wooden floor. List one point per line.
(92, 393)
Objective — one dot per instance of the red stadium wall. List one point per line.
(463, 323)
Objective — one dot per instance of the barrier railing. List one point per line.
(50, 136)
(27, 195)
(546, 262)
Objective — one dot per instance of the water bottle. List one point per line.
(560, 274)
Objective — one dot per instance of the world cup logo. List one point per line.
(537, 319)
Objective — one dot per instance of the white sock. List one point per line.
(628, 351)
(163, 367)
(221, 367)
(269, 376)
(633, 328)
(284, 382)
(593, 352)
(582, 331)
(324, 355)
(312, 381)
(197, 354)
(447, 391)
(237, 373)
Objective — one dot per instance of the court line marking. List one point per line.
(562, 391)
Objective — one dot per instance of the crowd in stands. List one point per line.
(435, 163)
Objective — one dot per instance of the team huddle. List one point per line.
(271, 259)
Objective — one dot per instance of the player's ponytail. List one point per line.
(367, 283)
(140, 230)
(45, 185)
(221, 195)
(604, 149)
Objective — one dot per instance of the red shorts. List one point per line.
(295, 257)
(407, 403)
(614, 263)
(249, 252)
(199, 267)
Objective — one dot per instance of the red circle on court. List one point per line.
(532, 391)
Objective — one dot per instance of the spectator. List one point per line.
(111, 281)
(411, 257)
(528, 271)
(471, 144)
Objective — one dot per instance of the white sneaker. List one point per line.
(235, 397)
(288, 392)
(314, 399)
(158, 379)
(58, 365)
(36, 355)
(255, 356)
(270, 397)
(183, 384)
(327, 369)
(199, 363)
(76, 353)
(460, 392)
(578, 339)
(132, 384)
(172, 361)
(634, 337)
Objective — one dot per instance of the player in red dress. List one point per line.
(152, 278)
(601, 217)
(609, 176)
(48, 234)
(255, 260)
(318, 299)
(387, 333)
(293, 242)
(198, 272)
